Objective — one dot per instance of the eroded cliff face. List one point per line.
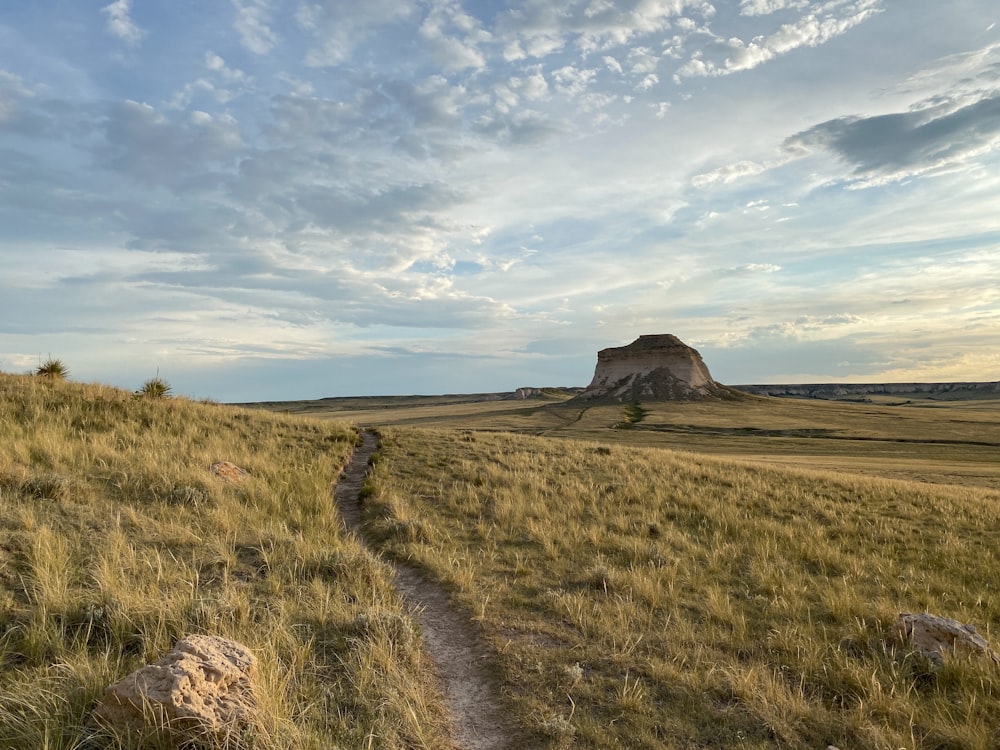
(657, 367)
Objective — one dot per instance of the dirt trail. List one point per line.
(459, 654)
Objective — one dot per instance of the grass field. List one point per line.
(115, 541)
(658, 576)
(948, 442)
(645, 598)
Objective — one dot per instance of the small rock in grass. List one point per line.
(201, 692)
(936, 636)
(230, 472)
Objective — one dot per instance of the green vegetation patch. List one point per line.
(643, 598)
(116, 540)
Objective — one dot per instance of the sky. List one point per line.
(292, 199)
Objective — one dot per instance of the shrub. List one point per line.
(154, 388)
(53, 368)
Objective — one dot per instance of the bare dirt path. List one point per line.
(460, 656)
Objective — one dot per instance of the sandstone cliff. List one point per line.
(652, 368)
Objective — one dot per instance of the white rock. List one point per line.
(204, 688)
(936, 636)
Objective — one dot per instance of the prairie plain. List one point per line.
(713, 574)
(702, 575)
(913, 438)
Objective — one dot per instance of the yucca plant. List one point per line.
(154, 388)
(53, 368)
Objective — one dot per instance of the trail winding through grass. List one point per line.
(460, 656)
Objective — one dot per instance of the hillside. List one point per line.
(116, 540)
(631, 596)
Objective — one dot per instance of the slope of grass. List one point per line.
(115, 541)
(648, 599)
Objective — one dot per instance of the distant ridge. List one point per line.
(828, 391)
(658, 367)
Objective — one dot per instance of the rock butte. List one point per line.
(657, 367)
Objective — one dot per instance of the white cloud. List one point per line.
(252, 23)
(612, 64)
(217, 65)
(573, 81)
(452, 37)
(820, 25)
(642, 60)
(541, 28)
(647, 82)
(730, 173)
(338, 27)
(121, 24)
(766, 7)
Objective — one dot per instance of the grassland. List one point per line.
(664, 576)
(115, 541)
(646, 598)
(947, 442)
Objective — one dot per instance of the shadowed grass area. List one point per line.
(116, 540)
(647, 599)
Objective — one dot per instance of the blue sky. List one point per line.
(267, 199)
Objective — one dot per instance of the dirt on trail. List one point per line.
(460, 656)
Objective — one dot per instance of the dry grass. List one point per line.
(115, 541)
(646, 599)
(954, 442)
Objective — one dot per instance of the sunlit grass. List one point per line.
(645, 598)
(116, 541)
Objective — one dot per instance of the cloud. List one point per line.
(147, 147)
(338, 27)
(538, 28)
(823, 23)
(573, 81)
(253, 25)
(766, 7)
(452, 36)
(731, 173)
(647, 83)
(522, 128)
(13, 93)
(218, 66)
(120, 24)
(893, 146)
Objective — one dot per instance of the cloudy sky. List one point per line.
(265, 199)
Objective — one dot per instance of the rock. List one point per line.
(202, 691)
(936, 636)
(652, 368)
(227, 471)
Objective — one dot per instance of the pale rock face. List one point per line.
(656, 367)
(202, 689)
(936, 636)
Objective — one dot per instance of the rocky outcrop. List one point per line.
(652, 368)
(936, 636)
(201, 692)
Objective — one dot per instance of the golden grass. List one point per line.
(954, 442)
(115, 541)
(650, 599)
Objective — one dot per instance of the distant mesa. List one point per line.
(657, 367)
